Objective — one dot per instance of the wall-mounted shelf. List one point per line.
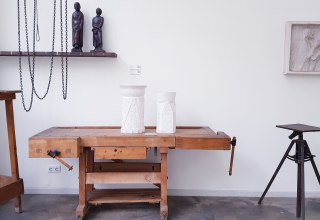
(58, 54)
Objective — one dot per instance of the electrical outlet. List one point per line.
(54, 169)
(135, 69)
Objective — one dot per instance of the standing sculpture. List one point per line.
(97, 23)
(77, 29)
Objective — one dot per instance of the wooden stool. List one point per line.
(303, 154)
(11, 187)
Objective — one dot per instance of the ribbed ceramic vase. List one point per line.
(166, 112)
(132, 109)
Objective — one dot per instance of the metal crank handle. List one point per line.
(55, 155)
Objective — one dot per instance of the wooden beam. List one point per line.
(124, 196)
(164, 183)
(7, 96)
(83, 203)
(127, 141)
(123, 177)
(12, 140)
(68, 147)
(122, 153)
(126, 167)
(13, 155)
(90, 167)
(205, 143)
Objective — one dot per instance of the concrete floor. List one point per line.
(62, 207)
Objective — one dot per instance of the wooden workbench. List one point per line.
(90, 143)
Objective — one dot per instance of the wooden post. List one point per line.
(90, 166)
(13, 150)
(83, 205)
(164, 185)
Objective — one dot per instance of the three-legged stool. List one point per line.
(11, 187)
(303, 154)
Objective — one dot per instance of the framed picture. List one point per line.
(302, 48)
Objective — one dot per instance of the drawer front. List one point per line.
(120, 153)
(68, 148)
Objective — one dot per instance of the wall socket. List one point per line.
(54, 169)
(135, 69)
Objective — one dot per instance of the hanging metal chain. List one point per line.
(32, 69)
(52, 56)
(67, 64)
(27, 109)
(37, 26)
(64, 76)
(31, 64)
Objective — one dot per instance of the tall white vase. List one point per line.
(132, 109)
(166, 112)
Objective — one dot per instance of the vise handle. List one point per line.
(55, 155)
(233, 143)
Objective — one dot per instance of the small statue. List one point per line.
(77, 29)
(97, 23)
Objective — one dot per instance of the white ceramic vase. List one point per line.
(132, 109)
(166, 112)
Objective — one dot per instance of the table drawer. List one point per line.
(69, 148)
(112, 153)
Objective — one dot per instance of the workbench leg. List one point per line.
(13, 150)
(90, 164)
(83, 205)
(164, 185)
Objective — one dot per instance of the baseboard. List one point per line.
(182, 192)
(236, 193)
(49, 190)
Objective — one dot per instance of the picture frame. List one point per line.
(302, 48)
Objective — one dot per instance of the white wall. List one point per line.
(223, 58)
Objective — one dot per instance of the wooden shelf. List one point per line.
(57, 54)
(124, 196)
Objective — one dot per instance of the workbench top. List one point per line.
(75, 138)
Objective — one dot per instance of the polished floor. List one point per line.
(62, 207)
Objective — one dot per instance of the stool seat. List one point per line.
(299, 127)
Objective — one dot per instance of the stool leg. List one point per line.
(302, 185)
(312, 162)
(300, 212)
(13, 150)
(276, 172)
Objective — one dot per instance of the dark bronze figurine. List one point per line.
(77, 29)
(97, 23)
